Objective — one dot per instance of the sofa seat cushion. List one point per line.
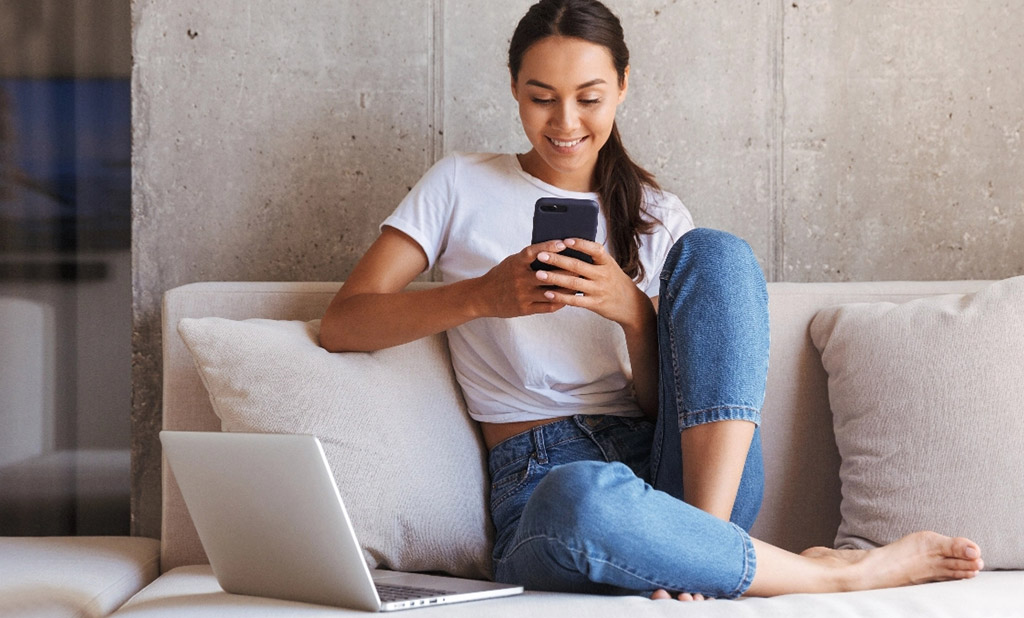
(73, 576)
(193, 591)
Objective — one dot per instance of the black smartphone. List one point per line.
(558, 218)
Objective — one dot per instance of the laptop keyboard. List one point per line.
(390, 593)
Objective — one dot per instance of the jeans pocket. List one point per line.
(509, 481)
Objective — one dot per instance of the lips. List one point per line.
(566, 145)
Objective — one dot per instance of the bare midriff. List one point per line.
(497, 432)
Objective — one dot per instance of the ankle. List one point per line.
(839, 575)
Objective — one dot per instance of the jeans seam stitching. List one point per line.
(521, 543)
(686, 413)
(748, 547)
(511, 491)
(517, 461)
(754, 413)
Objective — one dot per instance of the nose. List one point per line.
(566, 117)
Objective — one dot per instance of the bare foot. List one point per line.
(915, 559)
(662, 594)
(838, 555)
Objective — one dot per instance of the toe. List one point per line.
(964, 548)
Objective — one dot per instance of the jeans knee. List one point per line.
(578, 494)
(715, 258)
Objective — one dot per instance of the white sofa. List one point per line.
(802, 497)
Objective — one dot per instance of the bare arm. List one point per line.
(371, 312)
(642, 345)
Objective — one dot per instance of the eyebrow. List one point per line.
(593, 82)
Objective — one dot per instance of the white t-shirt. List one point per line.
(471, 211)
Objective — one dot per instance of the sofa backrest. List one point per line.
(802, 493)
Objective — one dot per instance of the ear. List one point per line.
(515, 90)
(625, 85)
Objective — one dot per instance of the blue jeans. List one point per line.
(594, 503)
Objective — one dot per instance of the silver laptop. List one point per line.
(273, 524)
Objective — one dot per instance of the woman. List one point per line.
(591, 380)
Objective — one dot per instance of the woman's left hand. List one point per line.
(601, 287)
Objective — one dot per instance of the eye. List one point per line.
(540, 101)
(590, 101)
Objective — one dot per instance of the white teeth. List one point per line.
(561, 144)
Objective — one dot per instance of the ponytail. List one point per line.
(621, 183)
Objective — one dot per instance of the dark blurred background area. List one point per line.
(65, 266)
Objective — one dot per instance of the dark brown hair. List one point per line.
(617, 179)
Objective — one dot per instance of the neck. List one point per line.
(580, 181)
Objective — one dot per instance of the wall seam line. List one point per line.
(437, 81)
(436, 94)
(777, 156)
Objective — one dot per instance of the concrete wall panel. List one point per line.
(477, 108)
(903, 155)
(270, 140)
(703, 131)
(700, 117)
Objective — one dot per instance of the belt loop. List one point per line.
(538, 445)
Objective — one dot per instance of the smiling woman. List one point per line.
(620, 398)
(593, 61)
(569, 122)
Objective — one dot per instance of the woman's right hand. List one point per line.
(511, 288)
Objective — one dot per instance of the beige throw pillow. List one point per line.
(408, 461)
(927, 400)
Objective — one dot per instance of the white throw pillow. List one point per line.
(408, 460)
(927, 400)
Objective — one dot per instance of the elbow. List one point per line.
(344, 329)
(329, 340)
(333, 336)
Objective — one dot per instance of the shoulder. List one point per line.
(459, 168)
(477, 171)
(475, 160)
(667, 211)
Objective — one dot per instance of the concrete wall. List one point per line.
(872, 140)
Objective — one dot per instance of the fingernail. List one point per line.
(571, 242)
(559, 246)
(549, 295)
(542, 274)
(543, 257)
(972, 553)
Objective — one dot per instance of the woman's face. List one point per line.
(568, 91)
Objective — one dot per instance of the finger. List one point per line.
(565, 280)
(550, 246)
(545, 306)
(595, 250)
(565, 262)
(572, 299)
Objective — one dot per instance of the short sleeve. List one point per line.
(425, 212)
(673, 220)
